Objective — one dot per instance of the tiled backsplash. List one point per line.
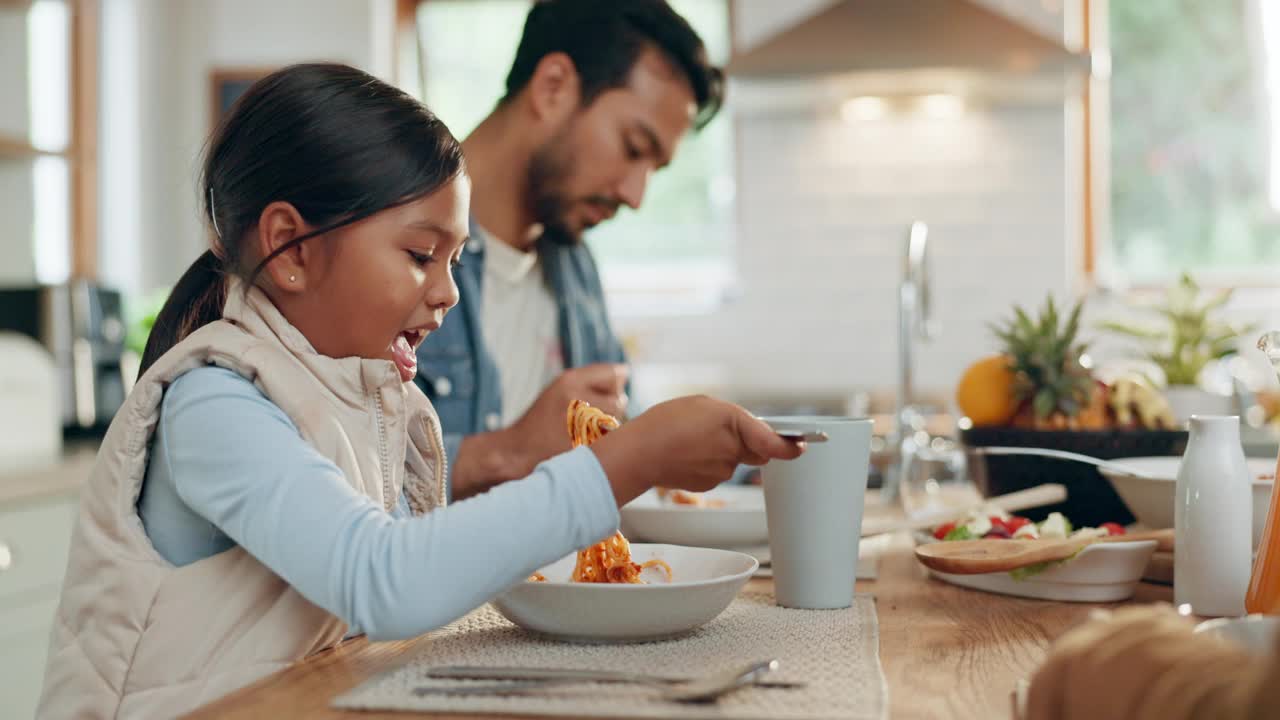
(824, 207)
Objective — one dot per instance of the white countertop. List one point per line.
(65, 475)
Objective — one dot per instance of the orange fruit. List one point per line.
(985, 392)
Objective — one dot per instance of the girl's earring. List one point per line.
(293, 278)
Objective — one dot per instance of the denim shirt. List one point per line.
(456, 369)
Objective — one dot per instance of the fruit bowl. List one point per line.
(1091, 500)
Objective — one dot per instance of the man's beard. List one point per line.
(549, 168)
(549, 172)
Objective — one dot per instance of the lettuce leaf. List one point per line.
(1030, 571)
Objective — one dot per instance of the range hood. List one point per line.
(877, 35)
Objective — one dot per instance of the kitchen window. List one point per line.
(1194, 137)
(671, 257)
(48, 140)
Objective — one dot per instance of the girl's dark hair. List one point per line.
(336, 143)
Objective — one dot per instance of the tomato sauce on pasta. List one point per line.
(608, 561)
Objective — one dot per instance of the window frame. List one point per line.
(81, 152)
(1094, 155)
(84, 138)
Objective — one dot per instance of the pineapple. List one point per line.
(1051, 386)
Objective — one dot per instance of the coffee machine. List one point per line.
(82, 326)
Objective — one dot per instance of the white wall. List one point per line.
(824, 208)
(14, 111)
(17, 198)
(157, 60)
(17, 255)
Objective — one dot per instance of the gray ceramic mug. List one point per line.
(814, 508)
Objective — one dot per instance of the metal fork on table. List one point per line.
(524, 681)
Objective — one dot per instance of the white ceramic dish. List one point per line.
(705, 581)
(1151, 499)
(741, 522)
(1106, 572)
(1255, 633)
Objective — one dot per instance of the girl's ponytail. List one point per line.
(195, 301)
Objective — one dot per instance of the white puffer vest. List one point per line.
(136, 637)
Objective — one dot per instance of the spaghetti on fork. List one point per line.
(608, 561)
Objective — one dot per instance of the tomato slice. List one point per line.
(1016, 522)
(941, 531)
(1112, 528)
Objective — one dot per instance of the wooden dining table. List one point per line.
(947, 652)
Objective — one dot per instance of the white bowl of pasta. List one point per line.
(730, 516)
(704, 581)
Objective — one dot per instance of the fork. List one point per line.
(701, 689)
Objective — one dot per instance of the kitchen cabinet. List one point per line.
(37, 513)
(24, 642)
(34, 538)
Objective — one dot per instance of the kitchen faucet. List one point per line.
(915, 322)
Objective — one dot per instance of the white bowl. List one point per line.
(1103, 572)
(1151, 500)
(1255, 633)
(705, 581)
(741, 522)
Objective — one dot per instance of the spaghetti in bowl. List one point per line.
(705, 581)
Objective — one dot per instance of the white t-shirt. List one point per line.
(519, 317)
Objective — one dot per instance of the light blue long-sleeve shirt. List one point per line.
(228, 468)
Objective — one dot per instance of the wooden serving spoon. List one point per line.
(974, 557)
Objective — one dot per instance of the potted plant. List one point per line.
(140, 316)
(1184, 341)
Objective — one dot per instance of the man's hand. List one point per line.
(488, 459)
(543, 430)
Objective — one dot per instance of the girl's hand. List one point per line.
(691, 443)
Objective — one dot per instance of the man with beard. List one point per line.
(598, 98)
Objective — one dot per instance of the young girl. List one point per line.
(275, 482)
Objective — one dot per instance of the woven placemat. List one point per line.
(835, 653)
